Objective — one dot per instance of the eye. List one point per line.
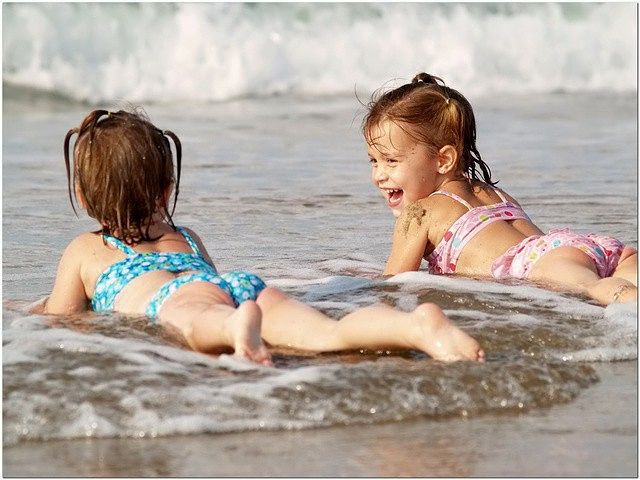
(373, 161)
(392, 161)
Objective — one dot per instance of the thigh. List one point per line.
(566, 266)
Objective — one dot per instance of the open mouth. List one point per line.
(394, 196)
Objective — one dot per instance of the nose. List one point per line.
(380, 174)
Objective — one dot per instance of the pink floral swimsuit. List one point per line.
(519, 259)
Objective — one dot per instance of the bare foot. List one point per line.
(245, 324)
(441, 339)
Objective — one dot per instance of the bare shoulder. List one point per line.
(80, 251)
(83, 244)
(442, 209)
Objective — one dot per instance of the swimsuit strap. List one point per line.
(190, 241)
(501, 195)
(119, 244)
(454, 196)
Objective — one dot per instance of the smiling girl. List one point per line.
(421, 141)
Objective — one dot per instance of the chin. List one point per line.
(396, 211)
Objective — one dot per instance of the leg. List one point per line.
(287, 322)
(628, 266)
(205, 317)
(569, 268)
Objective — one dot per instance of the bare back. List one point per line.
(488, 241)
(90, 256)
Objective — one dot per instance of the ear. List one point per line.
(447, 159)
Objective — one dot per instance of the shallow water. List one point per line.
(280, 186)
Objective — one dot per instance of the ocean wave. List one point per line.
(161, 52)
(67, 384)
(116, 376)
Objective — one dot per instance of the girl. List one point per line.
(422, 148)
(139, 262)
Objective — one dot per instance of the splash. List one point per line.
(212, 52)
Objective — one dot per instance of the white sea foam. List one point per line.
(516, 293)
(204, 52)
(334, 285)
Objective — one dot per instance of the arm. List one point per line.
(68, 295)
(410, 237)
(38, 306)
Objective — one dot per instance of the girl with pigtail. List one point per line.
(138, 262)
(421, 141)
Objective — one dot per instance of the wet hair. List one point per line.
(122, 167)
(433, 114)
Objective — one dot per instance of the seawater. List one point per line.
(280, 186)
(276, 180)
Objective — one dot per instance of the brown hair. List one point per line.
(122, 167)
(435, 115)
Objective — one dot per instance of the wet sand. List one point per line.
(595, 435)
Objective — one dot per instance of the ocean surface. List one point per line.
(276, 180)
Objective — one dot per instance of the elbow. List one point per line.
(391, 270)
(38, 307)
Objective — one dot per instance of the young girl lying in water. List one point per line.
(422, 147)
(139, 262)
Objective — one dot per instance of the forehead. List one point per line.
(387, 136)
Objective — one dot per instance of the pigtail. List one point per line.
(470, 152)
(178, 145)
(67, 140)
(427, 79)
(477, 161)
(89, 124)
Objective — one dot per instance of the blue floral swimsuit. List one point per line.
(240, 286)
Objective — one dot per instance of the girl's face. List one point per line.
(402, 169)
